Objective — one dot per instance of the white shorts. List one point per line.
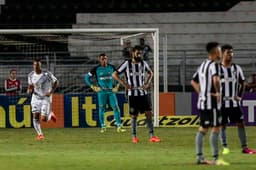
(41, 105)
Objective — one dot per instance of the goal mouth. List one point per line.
(70, 53)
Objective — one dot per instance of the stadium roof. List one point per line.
(62, 13)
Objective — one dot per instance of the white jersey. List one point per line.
(42, 82)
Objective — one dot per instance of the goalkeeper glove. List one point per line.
(115, 89)
(95, 88)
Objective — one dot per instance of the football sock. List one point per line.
(37, 126)
(134, 126)
(214, 137)
(199, 144)
(150, 125)
(242, 137)
(223, 137)
(49, 116)
(101, 116)
(117, 116)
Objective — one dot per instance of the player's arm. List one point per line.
(195, 82)
(119, 80)
(88, 81)
(216, 84)
(241, 89)
(149, 79)
(150, 75)
(54, 86)
(30, 89)
(20, 87)
(241, 84)
(55, 83)
(30, 85)
(195, 85)
(250, 85)
(9, 89)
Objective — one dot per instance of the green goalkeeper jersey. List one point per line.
(103, 77)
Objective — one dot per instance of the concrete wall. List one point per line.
(187, 33)
(187, 30)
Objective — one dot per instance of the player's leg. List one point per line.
(214, 142)
(214, 136)
(199, 145)
(47, 114)
(238, 118)
(134, 114)
(149, 121)
(36, 109)
(102, 100)
(114, 105)
(199, 139)
(145, 106)
(223, 135)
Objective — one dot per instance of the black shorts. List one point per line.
(210, 118)
(233, 115)
(139, 104)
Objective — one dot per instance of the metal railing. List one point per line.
(175, 70)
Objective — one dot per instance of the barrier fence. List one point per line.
(80, 110)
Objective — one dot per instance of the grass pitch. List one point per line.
(87, 148)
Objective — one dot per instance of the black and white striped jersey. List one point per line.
(231, 80)
(135, 74)
(204, 76)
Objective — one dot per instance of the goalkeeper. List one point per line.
(105, 90)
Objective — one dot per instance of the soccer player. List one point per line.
(12, 85)
(127, 50)
(232, 87)
(138, 77)
(105, 90)
(146, 49)
(206, 83)
(41, 84)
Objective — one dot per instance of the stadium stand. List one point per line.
(188, 25)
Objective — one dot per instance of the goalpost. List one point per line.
(78, 40)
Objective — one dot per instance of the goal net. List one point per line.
(69, 54)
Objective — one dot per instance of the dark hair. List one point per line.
(37, 60)
(136, 47)
(102, 54)
(13, 70)
(211, 45)
(226, 47)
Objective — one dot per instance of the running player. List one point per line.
(41, 84)
(232, 87)
(105, 90)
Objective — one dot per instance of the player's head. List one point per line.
(137, 53)
(227, 52)
(142, 41)
(214, 50)
(254, 77)
(103, 59)
(37, 65)
(13, 74)
(128, 43)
